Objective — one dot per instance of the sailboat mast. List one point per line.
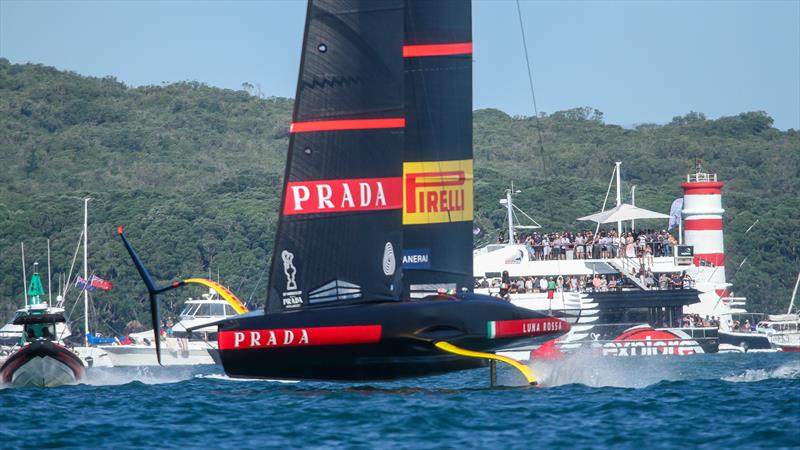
(24, 276)
(619, 196)
(49, 291)
(86, 270)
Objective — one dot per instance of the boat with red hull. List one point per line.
(371, 274)
(40, 360)
(42, 363)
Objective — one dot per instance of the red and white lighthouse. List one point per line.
(702, 223)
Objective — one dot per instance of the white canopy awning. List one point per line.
(622, 213)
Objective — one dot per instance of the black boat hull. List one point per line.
(380, 341)
(745, 341)
(42, 363)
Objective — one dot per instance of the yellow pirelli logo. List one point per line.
(437, 191)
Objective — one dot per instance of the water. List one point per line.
(705, 401)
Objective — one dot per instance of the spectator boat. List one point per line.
(619, 285)
(783, 331)
(379, 168)
(181, 347)
(41, 359)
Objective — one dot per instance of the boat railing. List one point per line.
(702, 332)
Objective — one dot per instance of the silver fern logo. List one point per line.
(389, 263)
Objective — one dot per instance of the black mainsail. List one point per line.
(376, 214)
(339, 230)
(437, 162)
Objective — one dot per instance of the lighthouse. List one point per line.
(702, 224)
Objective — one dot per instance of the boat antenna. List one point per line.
(24, 276)
(49, 290)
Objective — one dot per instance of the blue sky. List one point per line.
(635, 61)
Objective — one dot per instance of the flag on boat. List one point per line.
(80, 283)
(99, 283)
(675, 213)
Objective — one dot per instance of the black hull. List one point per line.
(44, 363)
(745, 341)
(381, 341)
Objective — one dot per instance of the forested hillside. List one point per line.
(194, 173)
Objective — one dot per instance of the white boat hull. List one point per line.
(93, 356)
(43, 372)
(143, 355)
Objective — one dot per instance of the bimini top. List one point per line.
(29, 319)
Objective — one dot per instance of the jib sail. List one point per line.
(340, 233)
(437, 167)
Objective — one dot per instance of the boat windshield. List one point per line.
(207, 310)
(40, 330)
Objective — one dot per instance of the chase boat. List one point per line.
(379, 171)
(41, 360)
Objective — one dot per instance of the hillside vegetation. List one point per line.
(195, 174)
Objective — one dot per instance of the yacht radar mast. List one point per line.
(510, 208)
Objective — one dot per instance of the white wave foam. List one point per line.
(787, 371)
(596, 371)
(220, 376)
(102, 376)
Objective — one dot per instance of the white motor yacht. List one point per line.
(179, 347)
(783, 331)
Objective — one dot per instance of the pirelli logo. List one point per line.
(437, 192)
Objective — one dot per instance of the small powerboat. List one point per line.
(41, 361)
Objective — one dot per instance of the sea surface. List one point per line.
(721, 401)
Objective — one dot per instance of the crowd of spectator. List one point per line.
(695, 321)
(586, 244)
(743, 327)
(584, 283)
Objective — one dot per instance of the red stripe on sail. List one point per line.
(354, 124)
(413, 51)
(335, 196)
(715, 259)
(299, 337)
(703, 225)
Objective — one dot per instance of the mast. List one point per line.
(24, 276)
(633, 203)
(619, 196)
(86, 270)
(49, 291)
(794, 294)
(510, 218)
